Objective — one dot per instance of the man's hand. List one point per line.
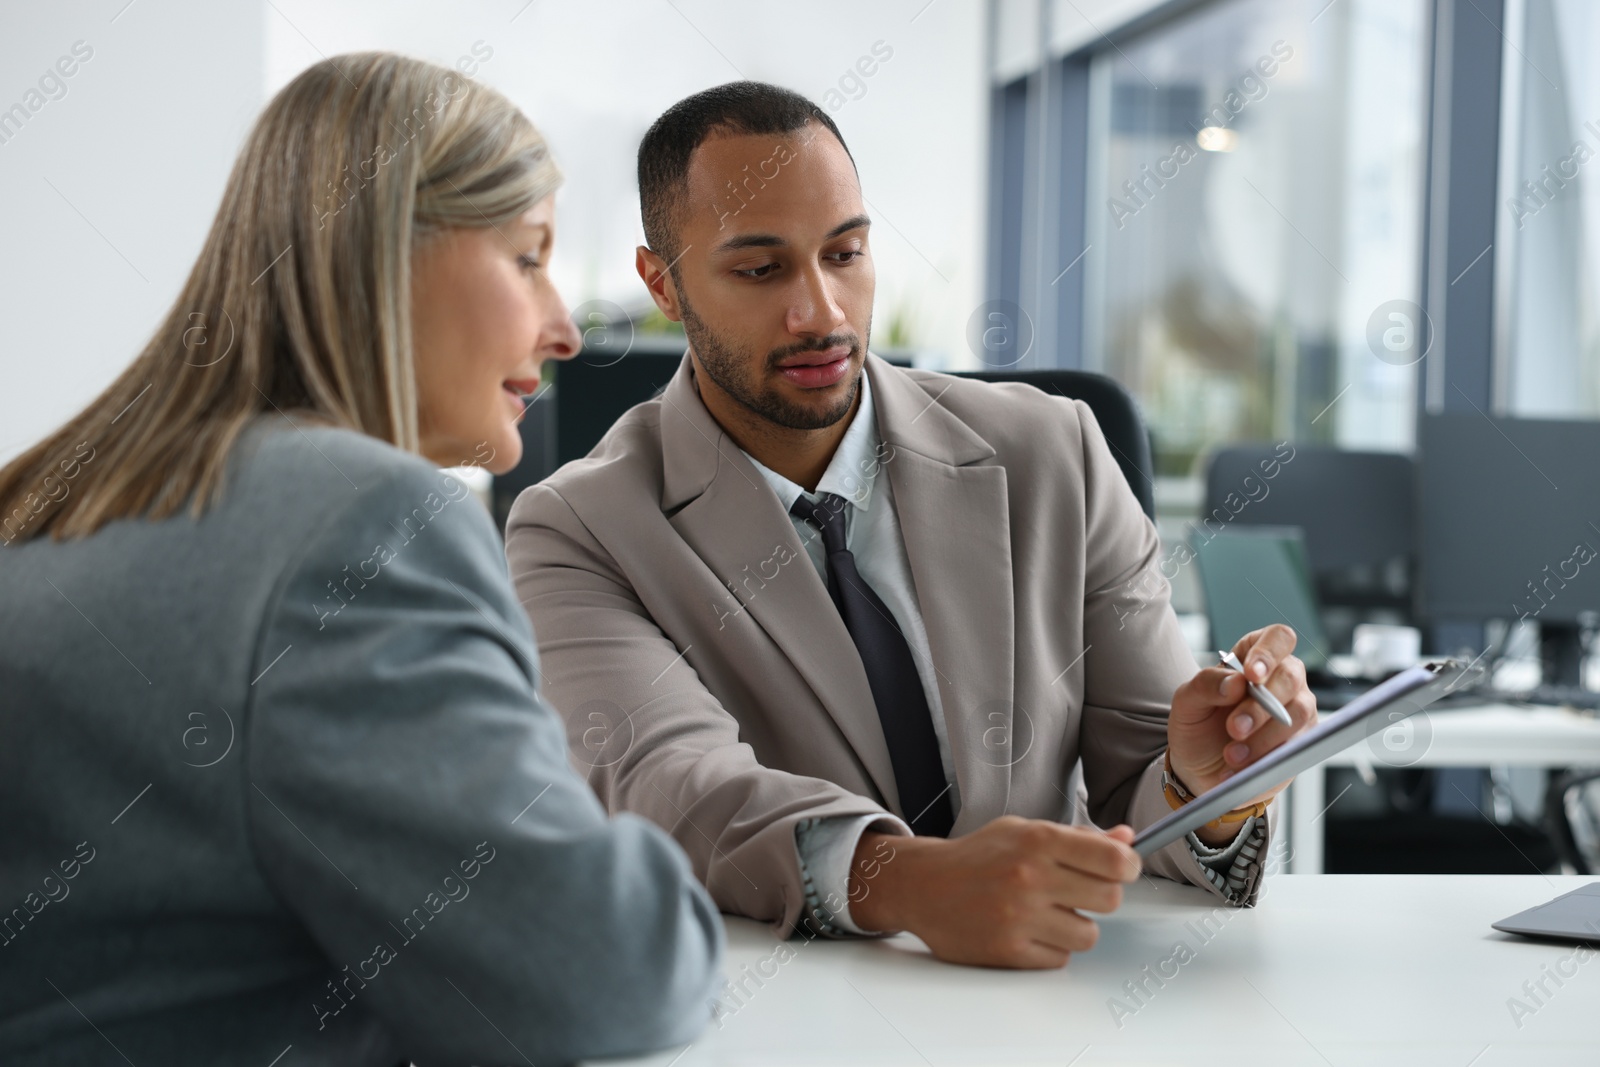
(1216, 728)
(1003, 896)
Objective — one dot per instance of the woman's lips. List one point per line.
(516, 392)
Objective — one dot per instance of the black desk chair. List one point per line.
(538, 429)
(565, 424)
(1566, 791)
(591, 392)
(1114, 409)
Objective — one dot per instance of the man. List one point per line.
(805, 598)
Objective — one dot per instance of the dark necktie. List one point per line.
(891, 674)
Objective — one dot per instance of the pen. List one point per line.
(1260, 693)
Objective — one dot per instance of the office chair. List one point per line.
(1564, 793)
(538, 431)
(1114, 409)
(592, 391)
(566, 424)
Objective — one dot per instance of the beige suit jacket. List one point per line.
(709, 684)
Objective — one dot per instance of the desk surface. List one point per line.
(1327, 970)
(1480, 735)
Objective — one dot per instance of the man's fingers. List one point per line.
(1074, 889)
(1068, 931)
(1093, 853)
(1288, 684)
(1213, 687)
(1071, 888)
(1262, 650)
(1038, 956)
(1267, 736)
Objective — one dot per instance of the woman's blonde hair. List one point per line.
(301, 296)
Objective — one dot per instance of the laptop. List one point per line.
(1253, 576)
(1573, 916)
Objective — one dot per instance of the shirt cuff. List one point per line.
(1218, 857)
(1233, 872)
(826, 847)
(1235, 868)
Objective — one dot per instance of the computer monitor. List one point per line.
(1253, 576)
(1509, 526)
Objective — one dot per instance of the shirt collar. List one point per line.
(853, 469)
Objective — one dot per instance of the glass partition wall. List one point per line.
(1255, 187)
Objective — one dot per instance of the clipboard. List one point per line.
(1377, 709)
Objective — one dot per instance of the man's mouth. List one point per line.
(816, 357)
(818, 368)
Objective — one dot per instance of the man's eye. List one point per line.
(850, 256)
(757, 272)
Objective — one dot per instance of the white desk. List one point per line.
(1452, 737)
(1357, 970)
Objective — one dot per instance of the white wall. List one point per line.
(143, 140)
(107, 191)
(593, 76)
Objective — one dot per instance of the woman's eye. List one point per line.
(528, 262)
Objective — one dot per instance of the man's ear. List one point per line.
(653, 271)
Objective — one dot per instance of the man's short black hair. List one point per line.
(743, 107)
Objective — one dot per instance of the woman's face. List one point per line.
(484, 316)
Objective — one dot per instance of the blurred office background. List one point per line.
(1342, 227)
(109, 188)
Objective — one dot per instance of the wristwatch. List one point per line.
(1178, 795)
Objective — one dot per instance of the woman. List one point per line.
(276, 773)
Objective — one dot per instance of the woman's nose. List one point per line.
(564, 341)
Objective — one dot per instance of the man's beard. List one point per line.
(723, 365)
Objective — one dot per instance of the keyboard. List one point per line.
(1567, 696)
(1333, 692)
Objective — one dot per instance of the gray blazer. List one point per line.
(280, 777)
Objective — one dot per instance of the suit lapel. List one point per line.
(953, 518)
(727, 513)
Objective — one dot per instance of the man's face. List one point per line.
(774, 279)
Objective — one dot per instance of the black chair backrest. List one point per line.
(1356, 509)
(538, 431)
(1113, 408)
(592, 391)
(1563, 793)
